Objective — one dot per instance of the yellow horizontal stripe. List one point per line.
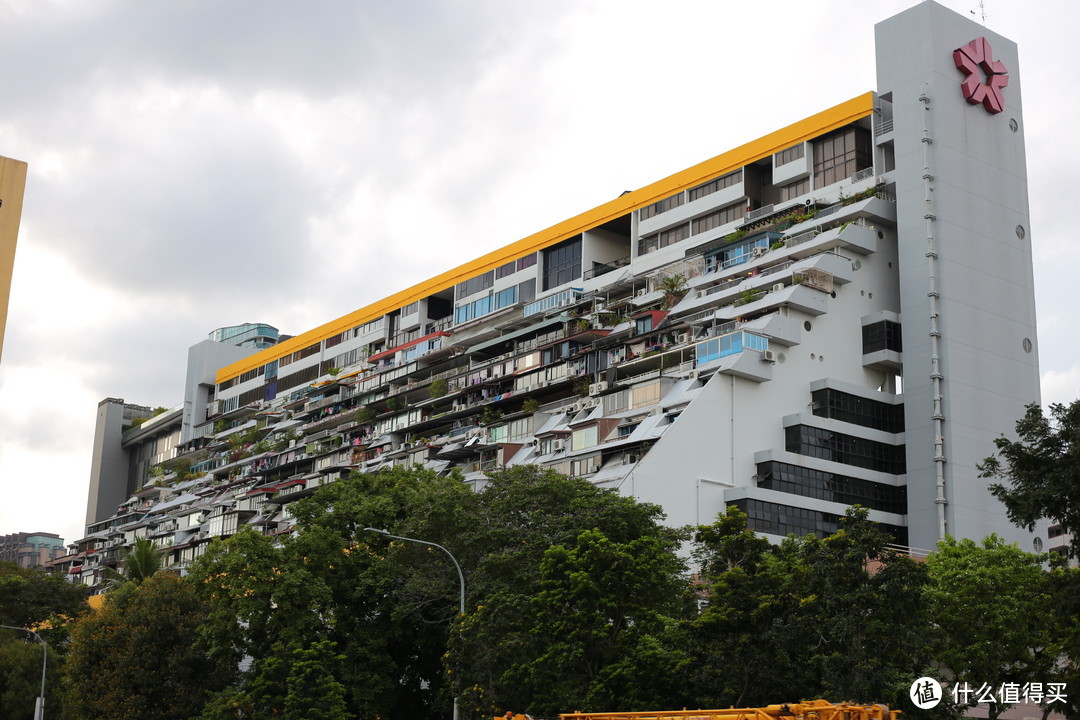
(753, 151)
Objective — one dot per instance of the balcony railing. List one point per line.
(604, 268)
(560, 299)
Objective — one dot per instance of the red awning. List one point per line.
(406, 346)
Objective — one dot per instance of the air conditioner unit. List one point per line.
(682, 338)
(558, 445)
(536, 443)
(643, 292)
(702, 293)
(768, 356)
(778, 287)
(629, 459)
(597, 388)
(759, 251)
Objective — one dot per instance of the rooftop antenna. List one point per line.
(982, 12)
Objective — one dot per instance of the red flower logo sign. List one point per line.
(984, 76)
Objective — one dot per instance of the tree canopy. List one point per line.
(136, 658)
(1042, 467)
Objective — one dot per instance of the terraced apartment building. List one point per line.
(839, 312)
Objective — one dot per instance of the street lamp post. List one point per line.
(461, 579)
(39, 704)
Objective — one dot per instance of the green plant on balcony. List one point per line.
(364, 415)
(333, 372)
(393, 404)
(734, 236)
(438, 388)
(581, 386)
(490, 415)
(674, 288)
(530, 405)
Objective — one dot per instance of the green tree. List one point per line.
(136, 657)
(388, 606)
(1042, 468)
(29, 598)
(603, 619)
(989, 604)
(516, 590)
(20, 677)
(839, 617)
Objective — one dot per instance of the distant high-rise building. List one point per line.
(29, 550)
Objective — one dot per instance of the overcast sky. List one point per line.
(200, 163)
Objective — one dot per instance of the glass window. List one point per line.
(723, 216)
(849, 408)
(645, 395)
(505, 297)
(840, 155)
(884, 335)
(797, 480)
(562, 263)
(790, 155)
(504, 270)
(664, 205)
(584, 438)
(724, 181)
(794, 189)
(847, 449)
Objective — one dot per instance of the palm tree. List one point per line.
(137, 563)
(674, 287)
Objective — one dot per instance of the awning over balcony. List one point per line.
(405, 346)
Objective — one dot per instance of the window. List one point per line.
(659, 207)
(723, 216)
(777, 519)
(796, 480)
(884, 335)
(616, 402)
(585, 466)
(562, 263)
(724, 181)
(506, 297)
(471, 311)
(729, 344)
(846, 407)
(584, 438)
(476, 284)
(790, 155)
(526, 262)
(840, 155)
(663, 239)
(794, 190)
(846, 449)
(645, 395)
(643, 325)
(410, 309)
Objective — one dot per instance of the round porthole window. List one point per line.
(1027, 345)
(1037, 543)
(807, 326)
(1013, 125)
(1020, 232)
